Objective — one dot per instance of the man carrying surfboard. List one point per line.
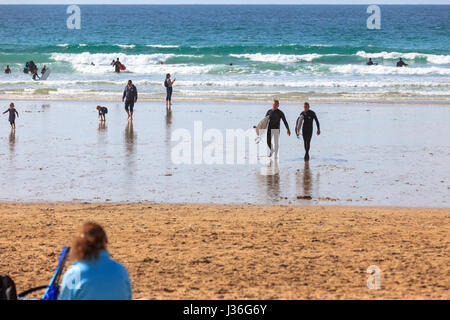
(275, 115)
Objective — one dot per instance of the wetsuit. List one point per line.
(12, 115)
(130, 95)
(401, 63)
(370, 63)
(307, 128)
(168, 85)
(7, 70)
(275, 117)
(116, 65)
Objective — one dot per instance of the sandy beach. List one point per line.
(196, 251)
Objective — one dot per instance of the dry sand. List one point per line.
(239, 251)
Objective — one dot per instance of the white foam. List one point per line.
(161, 46)
(359, 69)
(125, 45)
(432, 58)
(278, 58)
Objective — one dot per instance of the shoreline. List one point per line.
(174, 203)
(337, 100)
(199, 251)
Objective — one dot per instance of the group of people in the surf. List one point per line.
(31, 67)
(118, 66)
(400, 63)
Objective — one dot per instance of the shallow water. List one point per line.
(366, 155)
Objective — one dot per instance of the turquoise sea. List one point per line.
(229, 52)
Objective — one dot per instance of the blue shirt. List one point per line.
(102, 279)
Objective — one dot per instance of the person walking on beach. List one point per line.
(168, 83)
(305, 123)
(94, 275)
(12, 115)
(273, 130)
(102, 111)
(130, 97)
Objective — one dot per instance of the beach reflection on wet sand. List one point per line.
(366, 155)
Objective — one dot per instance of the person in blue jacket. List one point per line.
(94, 275)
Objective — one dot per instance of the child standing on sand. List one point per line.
(12, 115)
(101, 113)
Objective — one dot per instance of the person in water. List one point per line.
(117, 65)
(370, 62)
(130, 97)
(26, 69)
(102, 111)
(273, 130)
(168, 83)
(401, 63)
(44, 68)
(12, 115)
(7, 70)
(94, 275)
(305, 123)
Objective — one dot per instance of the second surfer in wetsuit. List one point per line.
(275, 116)
(305, 122)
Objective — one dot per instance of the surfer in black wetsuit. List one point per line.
(117, 65)
(168, 84)
(12, 115)
(275, 116)
(370, 62)
(305, 122)
(401, 63)
(7, 70)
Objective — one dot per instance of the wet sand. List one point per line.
(367, 155)
(242, 252)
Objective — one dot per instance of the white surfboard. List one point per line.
(45, 75)
(261, 128)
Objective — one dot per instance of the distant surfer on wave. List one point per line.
(305, 123)
(401, 63)
(275, 116)
(370, 62)
(7, 70)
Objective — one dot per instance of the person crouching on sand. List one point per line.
(102, 111)
(12, 115)
(94, 275)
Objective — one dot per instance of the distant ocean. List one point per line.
(292, 52)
